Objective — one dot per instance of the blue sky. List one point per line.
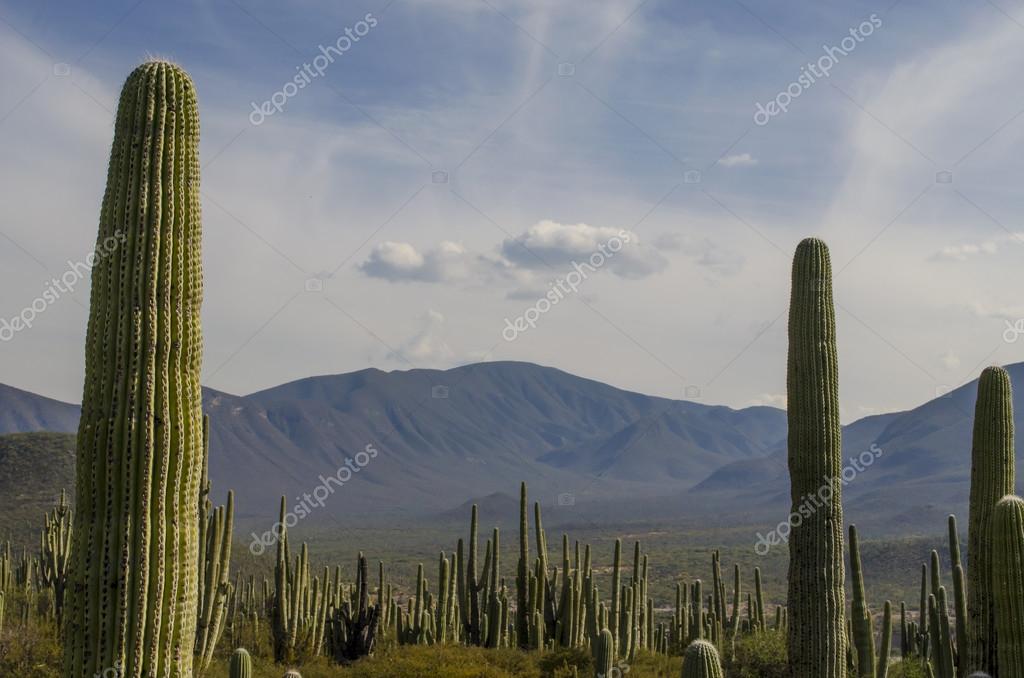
(463, 154)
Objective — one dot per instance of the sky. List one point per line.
(454, 161)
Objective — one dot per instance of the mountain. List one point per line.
(424, 442)
(441, 437)
(21, 412)
(921, 473)
(34, 468)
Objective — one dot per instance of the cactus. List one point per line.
(522, 575)
(604, 654)
(992, 478)
(860, 615)
(885, 646)
(701, 661)
(133, 576)
(1008, 584)
(816, 602)
(352, 631)
(241, 664)
(959, 597)
(215, 528)
(55, 554)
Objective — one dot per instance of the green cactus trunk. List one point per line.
(701, 661)
(1008, 584)
(992, 478)
(604, 654)
(817, 630)
(132, 584)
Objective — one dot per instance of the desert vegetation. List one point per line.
(135, 577)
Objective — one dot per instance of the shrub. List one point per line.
(762, 655)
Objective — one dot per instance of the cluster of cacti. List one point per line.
(352, 626)
(133, 576)
(816, 603)
(55, 554)
(300, 603)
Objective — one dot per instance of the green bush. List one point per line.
(29, 653)
(561, 661)
(907, 669)
(762, 655)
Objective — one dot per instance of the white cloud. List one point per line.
(964, 251)
(400, 261)
(738, 160)
(949, 360)
(552, 245)
(427, 348)
(770, 400)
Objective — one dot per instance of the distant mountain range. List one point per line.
(442, 438)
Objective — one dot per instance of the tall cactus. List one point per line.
(1008, 584)
(701, 661)
(523, 575)
(817, 628)
(863, 631)
(992, 478)
(132, 584)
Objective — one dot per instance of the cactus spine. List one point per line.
(1008, 584)
(133, 575)
(701, 661)
(817, 629)
(992, 478)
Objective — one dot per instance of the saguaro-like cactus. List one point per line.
(241, 664)
(604, 654)
(1008, 584)
(55, 553)
(860, 615)
(132, 584)
(992, 478)
(701, 661)
(817, 628)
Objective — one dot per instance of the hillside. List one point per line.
(442, 438)
(34, 467)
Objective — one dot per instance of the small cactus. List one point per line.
(701, 661)
(604, 654)
(241, 664)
